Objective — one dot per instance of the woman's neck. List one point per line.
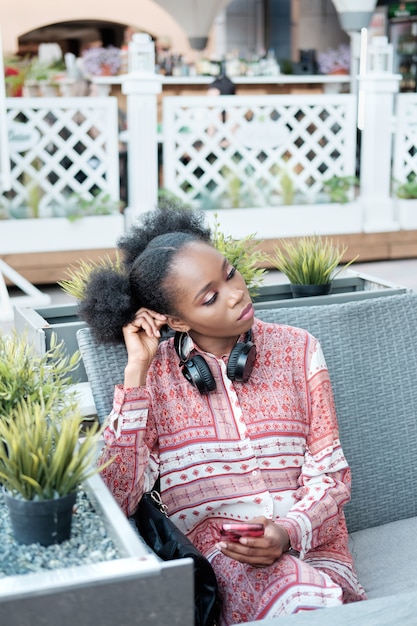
(219, 346)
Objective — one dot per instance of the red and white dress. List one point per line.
(269, 447)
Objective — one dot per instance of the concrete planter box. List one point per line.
(62, 319)
(40, 323)
(297, 220)
(407, 214)
(59, 233)
(138, 584)
(351, 286)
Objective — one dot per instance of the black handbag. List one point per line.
(168, 542)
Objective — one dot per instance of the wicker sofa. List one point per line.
(371, 352)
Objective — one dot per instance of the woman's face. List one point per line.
(212, 299)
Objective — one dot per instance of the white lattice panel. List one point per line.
(405, 140)
(60, 147)
(236, 148)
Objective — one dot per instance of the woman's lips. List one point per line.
(247, 312)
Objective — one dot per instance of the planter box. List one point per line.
(111, 592)
(290, 221)
(351, 286)
(40, 323)
(62, 319)
(407, 214)
(56, 234)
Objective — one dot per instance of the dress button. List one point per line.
(254, 473)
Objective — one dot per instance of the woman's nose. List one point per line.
(235, 296)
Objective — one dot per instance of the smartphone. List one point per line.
(232, 531)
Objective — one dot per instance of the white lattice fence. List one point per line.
(405, 139)
(60, 147)
(242, 151)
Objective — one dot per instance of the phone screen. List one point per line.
(232, 531)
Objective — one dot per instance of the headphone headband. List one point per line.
(196, 370)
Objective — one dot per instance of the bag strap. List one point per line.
(156, 497)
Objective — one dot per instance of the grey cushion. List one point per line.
(371, 353)
(386, 558)
(372, 358)
(395, 610)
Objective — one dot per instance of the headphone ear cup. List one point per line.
(195, 370)
(241, 360)
(233, 360)
(198, 373)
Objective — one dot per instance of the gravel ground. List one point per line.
(89, 543)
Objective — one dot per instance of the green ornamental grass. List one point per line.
(27, 375)
(41, 454)
(309, 261)
(78, 276)
(244, 254)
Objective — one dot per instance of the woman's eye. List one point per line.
(211, 300)
(231, 273)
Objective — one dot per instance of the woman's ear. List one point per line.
(176, 323)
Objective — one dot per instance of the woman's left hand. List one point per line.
(258, 551)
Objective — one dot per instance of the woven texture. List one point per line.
(371, 354)
(104, 366)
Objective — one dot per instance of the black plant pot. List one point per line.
(302, 291)
(41, 521)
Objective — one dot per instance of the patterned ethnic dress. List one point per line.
(269, 447)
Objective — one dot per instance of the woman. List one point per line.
(236, 415)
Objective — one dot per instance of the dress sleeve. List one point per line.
(324, 482)
(130, 441)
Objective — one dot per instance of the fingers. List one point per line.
(257, 557)
(258, 551)
(149, 321)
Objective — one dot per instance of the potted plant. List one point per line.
(338, 188)
(310, 264)
(27, 375)
(406, 202)
(99, 61)
(42, 459)
(77, 206)
(335, 60)
(33, 75)
(42, 465)
(44, 579)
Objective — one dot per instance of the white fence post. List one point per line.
(141, 87)
(378, 91)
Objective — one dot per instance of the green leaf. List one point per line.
(310, 260)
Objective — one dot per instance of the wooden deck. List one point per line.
(400, 244)
(46, 268)
(50, 267)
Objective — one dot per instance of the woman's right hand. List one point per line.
(141, 338)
